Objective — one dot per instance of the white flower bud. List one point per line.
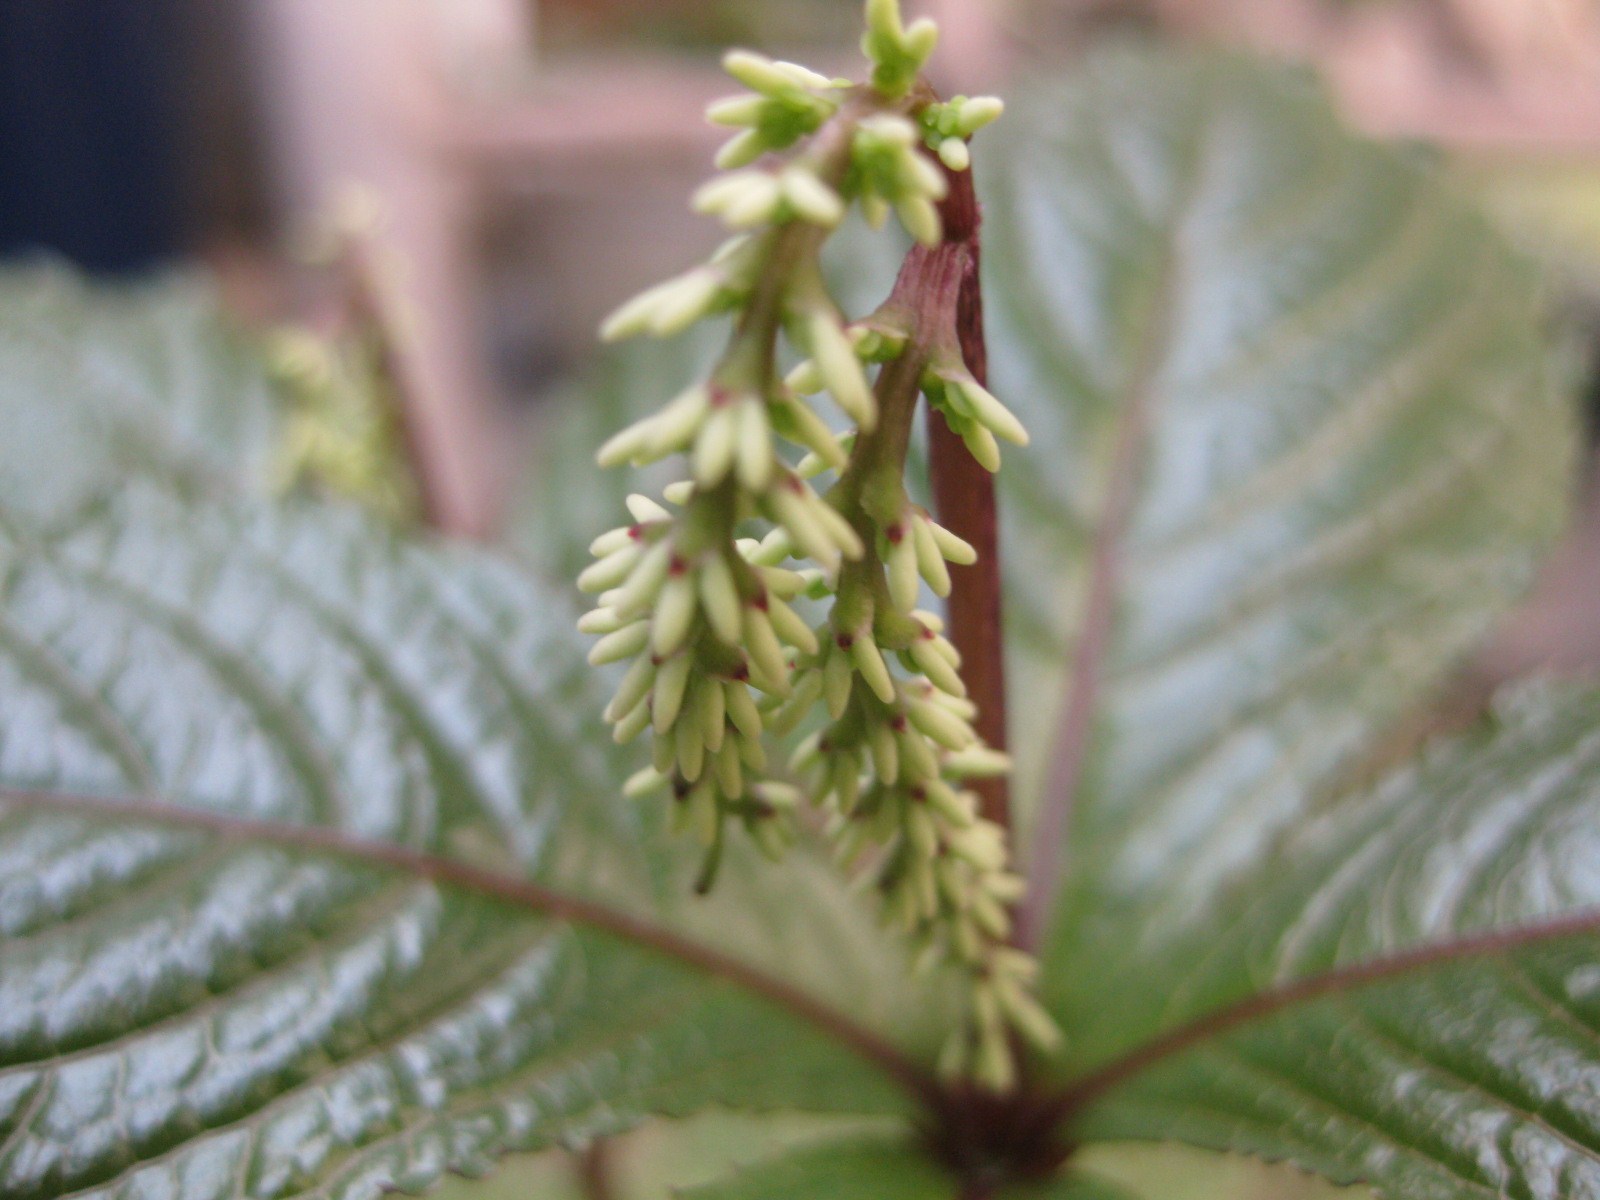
(838, 678)
(982, 406)
(626, 446)
(757, 72)
(921, 36)
(674, 427)
(949, 730)
(978, 762)
(978, 112)
(953, 548)
(890, 129)
(920, 219)
(840, 368)
(753, 449)
(611, 570)
(638, 592)
(690, 748)
(633, 689)
(644, 783)
(600, 621)
(916, 756)
(840, 530)
(936, 667)
(612, 540)
(761, 643)
(679, 493)
(982, 446)
(805, 379)
(885, 753)
(646, 510)
(624, 643)
(736, 110)
(921, 178)
(685, 300)
(719, 596)
(715, 447)
(711, 710)
(632, 725)
(955, 154)
(666, 697)
(741, 150)
(904, 585)
(741, 710)
(930, 563)
(869, 663)
(730, 775)
(789, 626)
(810, 198)
(674, 615)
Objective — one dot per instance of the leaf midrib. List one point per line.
(837, 1026)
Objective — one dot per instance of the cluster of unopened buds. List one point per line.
(815, 628)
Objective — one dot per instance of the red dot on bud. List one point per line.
(895, 533)
(677, 566)
(844, 641)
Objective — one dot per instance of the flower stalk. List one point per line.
(704, 595)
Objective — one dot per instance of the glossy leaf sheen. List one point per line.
(1325, 377)
(183, 1015)
(1471, 1077)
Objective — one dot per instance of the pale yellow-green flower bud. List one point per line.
(904, 584)
(741, 150)
(838, 677)
(761, 644)
(810, 198)
(612, 570)
(632, 725)
(869, 664)
(645, 510)
(635, 596)
(949, 730)
(674, 615)
(600, 621)
(787, 624)
(953, 152)
(633, 689)
(644, 783)
(925, 654)
(920, 218)
(612, 540)
(737, 110)
(979, 403)
(930, 564)
(741, 710)
(690, 748)
(982, 446)
(840, 369)
(719, 597)
(666, 698)
(624, 643)
(978, 112)
(753, 455)
(885, 753)
(715, 447)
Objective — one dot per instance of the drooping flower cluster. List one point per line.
(709, 618)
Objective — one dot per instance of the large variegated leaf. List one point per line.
(283, 799)
(101, 386)
(1408, 992)
(1295, 450)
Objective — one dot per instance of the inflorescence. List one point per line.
(709, 616)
